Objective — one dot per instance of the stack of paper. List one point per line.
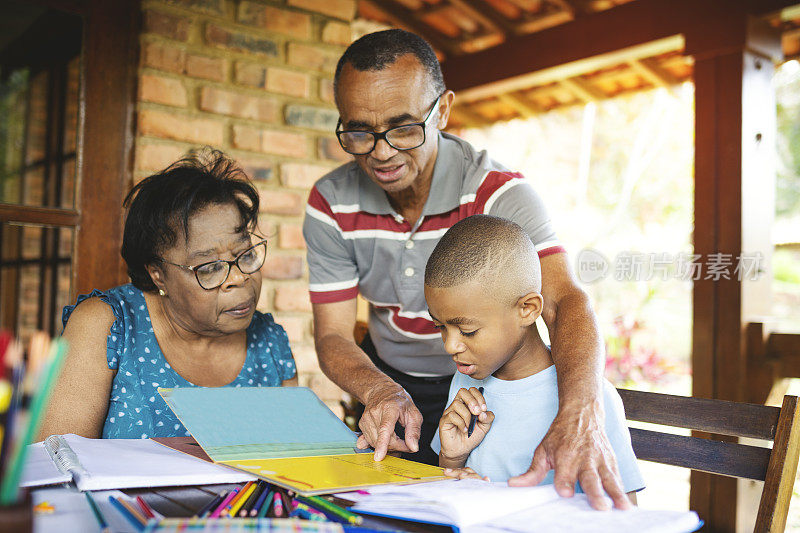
(473, 505)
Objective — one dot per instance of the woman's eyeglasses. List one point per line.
(214, 273)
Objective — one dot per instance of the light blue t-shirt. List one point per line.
(135, 409)
(524, 410)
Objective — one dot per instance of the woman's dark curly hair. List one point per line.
(160, 206)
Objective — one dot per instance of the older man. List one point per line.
(371, 225)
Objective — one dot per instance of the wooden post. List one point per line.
(734, 207)
(104, 169)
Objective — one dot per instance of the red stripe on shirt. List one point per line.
(318, 202)
(418, 325)
(491, 183)
(552, 250)
(326, 297)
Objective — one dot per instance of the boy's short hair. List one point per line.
(494, 249)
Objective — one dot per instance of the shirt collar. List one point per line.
(445, 190)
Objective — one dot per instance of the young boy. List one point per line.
(483, 285)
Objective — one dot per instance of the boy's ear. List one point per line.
(530, 307)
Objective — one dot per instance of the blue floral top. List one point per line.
(135, 409)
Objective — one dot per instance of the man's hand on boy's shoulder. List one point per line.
(577, 448)
(454, 435)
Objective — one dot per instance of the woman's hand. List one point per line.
(454, 427)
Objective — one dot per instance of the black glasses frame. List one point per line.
(377, 136)
(230, 264)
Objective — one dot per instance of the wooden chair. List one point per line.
(777, 467)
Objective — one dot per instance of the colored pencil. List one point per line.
(211, 505)
(260, 501)
(126, 511)
(244, 510)
(101, 520)
(266, 505)
(148, 512)
(329, 508)
(473, 419)
(231, 495)
(277, 506)
(9, 491)
(243, 496)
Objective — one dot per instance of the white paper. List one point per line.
(130, 463)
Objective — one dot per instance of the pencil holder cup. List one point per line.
(17, 517)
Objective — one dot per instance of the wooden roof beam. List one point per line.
(582, 89)
(524, 108)
(485, 12)
(706, 25)
(404, 17)
(648, 74)
(472, 119)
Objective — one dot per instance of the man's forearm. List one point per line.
(349, 367)
(577, 351)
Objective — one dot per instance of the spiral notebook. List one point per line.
(287, 436)
(100, 464)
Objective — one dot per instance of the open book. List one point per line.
(472, 505)
(100, 464)
(287, 436)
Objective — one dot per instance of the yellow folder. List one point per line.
(287, 436)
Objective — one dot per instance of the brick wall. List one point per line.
(253, 78)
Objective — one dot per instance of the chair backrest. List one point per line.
(776, 467)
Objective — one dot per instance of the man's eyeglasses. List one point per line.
(214, 273)
(405, 137)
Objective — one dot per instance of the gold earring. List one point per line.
(162, 292)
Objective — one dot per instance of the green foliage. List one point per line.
(787, 92)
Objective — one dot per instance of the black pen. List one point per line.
(474, 419)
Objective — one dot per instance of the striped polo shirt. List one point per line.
(357, 243)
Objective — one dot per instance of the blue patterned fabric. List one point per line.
(135, 409)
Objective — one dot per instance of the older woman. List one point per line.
(188, 318)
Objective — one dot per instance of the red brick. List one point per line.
(181, 128)
(301, 175)
(292, 298)
(160, 90)
(290, 236)
(257, 169)
(296, 329)
(288, 82)
(328, 148)
(173, 27)
(313, 57)
(154, 157)
(238, 105)
(270, 141)
(281, 202)
(283, 267)
(326, 90)
(240, 41)
(265, 299)
(305, 357)
(325, 388)
(246, 138)
(214, 7)
(251, 74)
(337, 33)
(208, 68)
(341, 9)
(274, 19)
(164, 57)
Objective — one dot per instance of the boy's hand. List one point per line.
(464, 473)
(453, 426)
